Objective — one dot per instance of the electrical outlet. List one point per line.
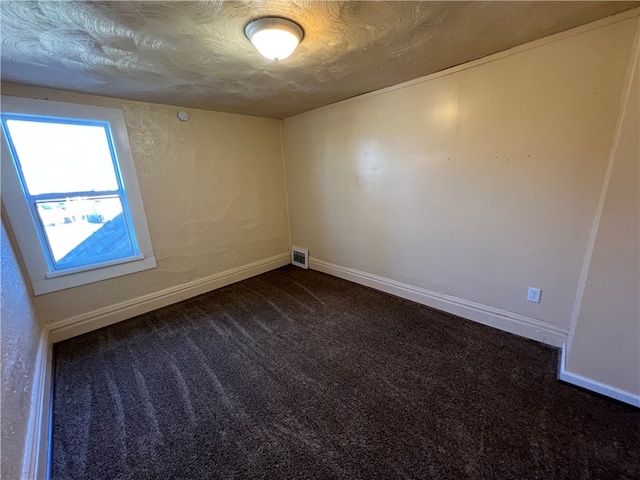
(534, 295)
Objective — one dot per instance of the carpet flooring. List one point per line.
(297, 374)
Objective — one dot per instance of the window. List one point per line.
(71, 194)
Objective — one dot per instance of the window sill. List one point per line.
(73, 271)
(69, 279)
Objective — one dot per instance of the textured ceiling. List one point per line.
(195, 54)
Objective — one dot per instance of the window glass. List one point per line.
(71, 193)
(83, 231)
(71, 180)
(63, 157)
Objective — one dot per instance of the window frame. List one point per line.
(24, 219)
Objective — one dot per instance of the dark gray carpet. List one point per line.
(296, 374)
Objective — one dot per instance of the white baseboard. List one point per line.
(593, 385)
(36, 456)
(96, 319)
(494, 317)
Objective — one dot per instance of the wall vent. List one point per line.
(300, 257)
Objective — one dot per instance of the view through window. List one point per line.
(71, 180)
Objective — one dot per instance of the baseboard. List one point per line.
(36, 456)
(494, 317)
(593, 385)
(96, 319)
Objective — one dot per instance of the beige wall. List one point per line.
(606, 339)
(476, 183)
(213, 191)
(19, 346)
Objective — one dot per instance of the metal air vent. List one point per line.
(300, 257)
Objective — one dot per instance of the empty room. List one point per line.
(320, 239)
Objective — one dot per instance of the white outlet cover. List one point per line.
(533, 295)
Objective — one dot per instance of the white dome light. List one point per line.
(275, 38)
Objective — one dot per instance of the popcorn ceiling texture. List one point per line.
(195, 54)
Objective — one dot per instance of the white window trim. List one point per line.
(20, 217)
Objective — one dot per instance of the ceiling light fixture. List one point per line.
(275, 38)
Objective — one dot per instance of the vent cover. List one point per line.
(300, 257)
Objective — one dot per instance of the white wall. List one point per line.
(605, 342)
(213, 191)
(475, 183)
(19, 346)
